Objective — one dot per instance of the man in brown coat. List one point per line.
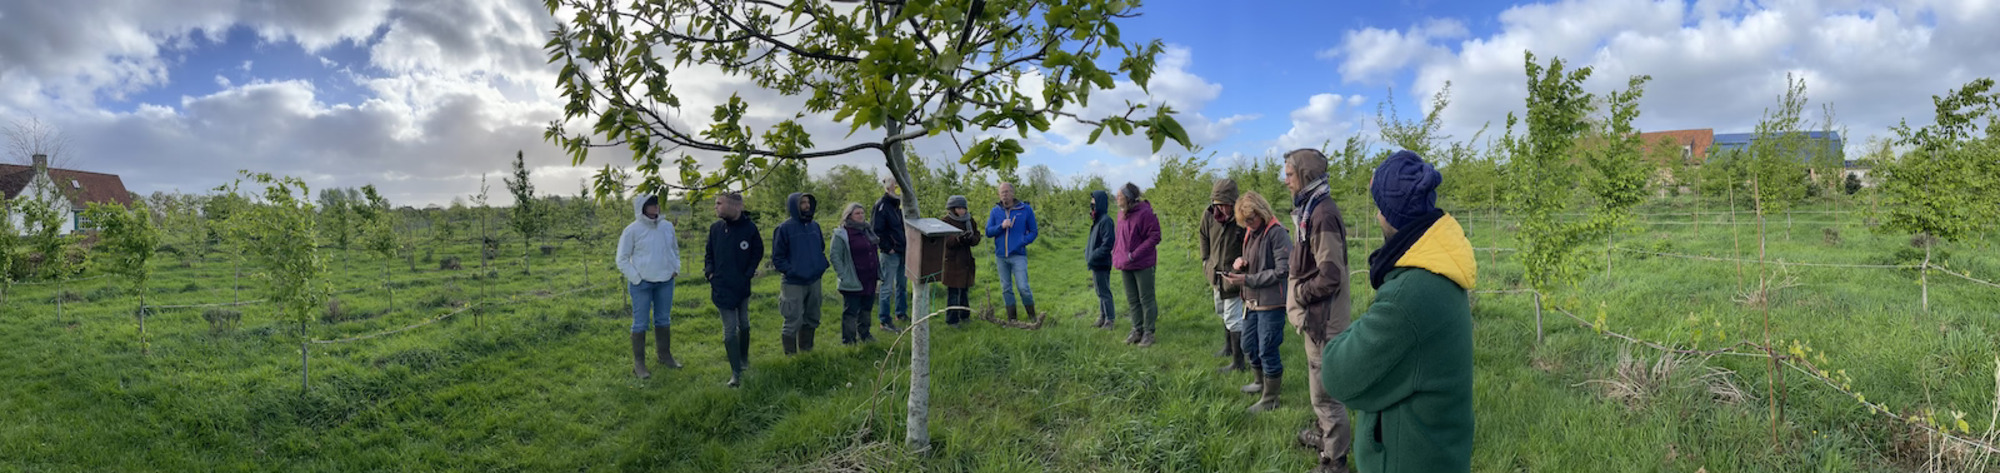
(1317, 296)
(1221, 243)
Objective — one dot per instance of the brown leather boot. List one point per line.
(639, 356)
(1273, 385)
(665, 338)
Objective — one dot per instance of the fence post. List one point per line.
(1924, 277)
(1538, 318)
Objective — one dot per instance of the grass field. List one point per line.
(540, 380)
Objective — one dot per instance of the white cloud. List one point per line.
(1326, 117)
(1716, 64)
(1368, 54)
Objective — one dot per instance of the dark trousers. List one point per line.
(736, 336)
(1145, 307)
(1107, 308)
(854, 316)
(957, 297)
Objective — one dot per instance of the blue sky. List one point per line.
(422, 97)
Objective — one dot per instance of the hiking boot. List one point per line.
(1331, 465)
(735, 380)
(1273, 385)
(665, 337)
(1134, 337)
(1312, 438)
(1236, 352)
(1146, 341)
(639, 356)
(890, 327)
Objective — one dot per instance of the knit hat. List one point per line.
(1405, 188)
(955, 202)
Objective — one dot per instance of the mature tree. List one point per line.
(30, 136)
(909, 69)
(127, 239)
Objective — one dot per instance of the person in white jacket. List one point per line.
(650, 257)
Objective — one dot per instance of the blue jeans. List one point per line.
(894, 289)
(1263, 333)
(652, 300)
(1013, 277)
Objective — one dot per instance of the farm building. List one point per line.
(76, 189)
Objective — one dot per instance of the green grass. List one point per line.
(545, 383)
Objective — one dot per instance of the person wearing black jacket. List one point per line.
(894, 289)
(734, 251)
(1097, 255)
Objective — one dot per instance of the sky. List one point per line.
(423, 97)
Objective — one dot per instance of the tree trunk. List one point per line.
(59, 297)
(1736, 254)
(142, 320)
(1924, 276)
(1764, 306)
(1538, 319)
(236, 288)
(387, 281)
(305, 363)
(917, 436)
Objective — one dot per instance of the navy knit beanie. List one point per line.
(1405, 188)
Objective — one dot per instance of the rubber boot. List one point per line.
(1011, 314)
(665, 337)
(1033, 316)
(791, 343)
(1224, 353)
(1235, 347)
(806, 340)
(1255, 387)
(1273, 385)
(639, 356)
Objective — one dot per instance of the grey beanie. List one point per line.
(955, 202)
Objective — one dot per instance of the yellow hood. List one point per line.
(1445, 251)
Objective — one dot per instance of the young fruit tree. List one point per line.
(277, 233)
(1546, 177)
(1617, 174)
(44, 223)
(378, 234)
(1948, 185)
(903, 70)
(126, 240)
(526, 216)
(10, 239)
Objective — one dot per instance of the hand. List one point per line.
(1007, 224)
(1232, 279)
(1238, 265)
(707, 276)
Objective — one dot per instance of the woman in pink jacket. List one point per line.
(1134, 255)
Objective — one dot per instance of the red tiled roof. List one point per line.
(1699, 140)
(88, 186)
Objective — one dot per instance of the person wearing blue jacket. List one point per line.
(798, 251)
(1011, 226)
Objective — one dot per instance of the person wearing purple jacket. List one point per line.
(1134, 255)
(852, 255)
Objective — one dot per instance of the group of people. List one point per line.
(1404, 365)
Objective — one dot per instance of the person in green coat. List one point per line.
(1405, 366)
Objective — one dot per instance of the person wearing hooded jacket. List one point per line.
(735, 247)
(855, 265)
(1316, 298)
(650, 258)
(888, 225)
(960, 269)
(1097, 256)
(1136, 255)
(1221, 243)
(1406, 364)
(798, 252)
